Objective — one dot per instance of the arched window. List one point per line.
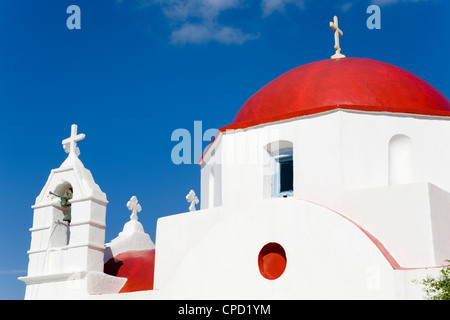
(282, 168)
(59, 231)
(401, 160)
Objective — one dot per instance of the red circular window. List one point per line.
(272, 261)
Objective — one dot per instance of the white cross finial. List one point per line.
(192, 199)
(70, 144)
(134, 207)
(337, 33)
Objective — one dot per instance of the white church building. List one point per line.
(332, 182)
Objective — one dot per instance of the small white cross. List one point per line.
(134, 207)
(192, 199)
(70, 144)
(337, 33)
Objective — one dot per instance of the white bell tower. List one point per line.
(66, 257)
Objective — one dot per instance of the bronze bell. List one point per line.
(68, 210)
(65, 204)
(68, 214)
(68, 206)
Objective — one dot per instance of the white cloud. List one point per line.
(230, 35)
(201, 33)
(270, 6)
(191, 33)
(204, 9)
(198, 21)
(202, 21)
(346, 6)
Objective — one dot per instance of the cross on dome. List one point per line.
(337, 33)
(134, 206)
(70, 144)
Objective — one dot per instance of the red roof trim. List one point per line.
(394, 264)
(290, 115)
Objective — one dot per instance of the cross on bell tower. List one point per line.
(70, 144)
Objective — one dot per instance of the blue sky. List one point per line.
(139, 69)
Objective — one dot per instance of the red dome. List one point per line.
(348, 83)
(136, 266)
